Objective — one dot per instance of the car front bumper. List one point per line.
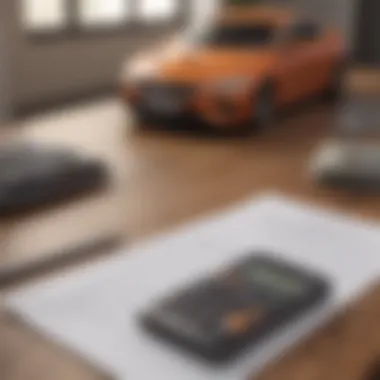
(212, 112)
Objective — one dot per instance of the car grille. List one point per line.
(170, 91)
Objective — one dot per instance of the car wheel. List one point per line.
(142, 119)
(335, 90)
(263, 109)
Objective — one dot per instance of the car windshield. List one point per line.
(238, 36)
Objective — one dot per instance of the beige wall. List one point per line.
(52, 70)
(340, 13)
(4, 67)
(347, 19)
(46, 71)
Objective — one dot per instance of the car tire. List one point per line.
(263, 109)
(142, 119)
(335, 90)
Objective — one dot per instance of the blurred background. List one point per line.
(60, 51)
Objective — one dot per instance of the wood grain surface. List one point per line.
(168, 179)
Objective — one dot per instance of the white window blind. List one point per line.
(158, 10)
(44, 14)
(53, 15)
(103, 12)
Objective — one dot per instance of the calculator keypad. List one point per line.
(219, 308)
(222, 314)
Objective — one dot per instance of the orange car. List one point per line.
(236, 73)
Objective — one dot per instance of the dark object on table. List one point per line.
(33, 175)
(373, 372)
(348, 165)
(358, 116)
(14, 274)
(351, 158)
(217, 317)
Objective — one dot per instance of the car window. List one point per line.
(238, 36)
(304, 31)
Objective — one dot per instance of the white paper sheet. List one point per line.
(93, 312)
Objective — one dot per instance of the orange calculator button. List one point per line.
(239, 322)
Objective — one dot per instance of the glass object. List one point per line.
(358, 118)
(273, 279)
(239, 36)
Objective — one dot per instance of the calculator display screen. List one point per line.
(272, 278)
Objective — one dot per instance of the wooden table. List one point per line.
(166, 180)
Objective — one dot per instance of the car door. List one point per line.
(301, 63)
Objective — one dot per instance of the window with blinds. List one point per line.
(44, 15)
(57, 15)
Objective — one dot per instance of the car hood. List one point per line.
(206, 65)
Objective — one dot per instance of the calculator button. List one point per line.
(240, 322)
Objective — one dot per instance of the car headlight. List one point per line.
(137, 71)
(230, 85)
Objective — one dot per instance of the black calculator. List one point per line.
(219, 316)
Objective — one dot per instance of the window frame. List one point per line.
(74, 29)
